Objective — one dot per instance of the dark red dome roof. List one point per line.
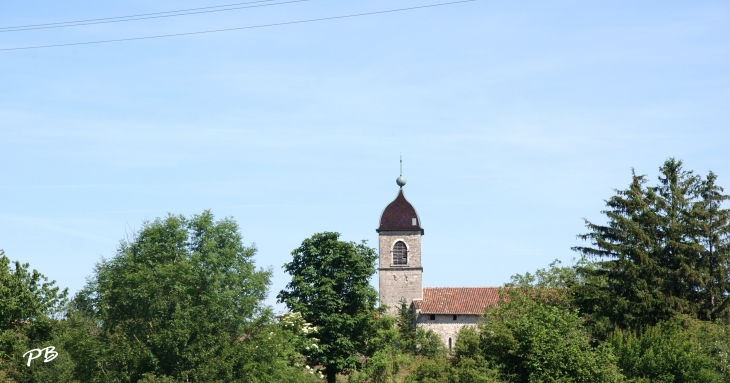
(400, 215)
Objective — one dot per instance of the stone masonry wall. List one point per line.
(445, 325)
(398, 282)
(412, 239)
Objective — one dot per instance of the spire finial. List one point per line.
(401, 181)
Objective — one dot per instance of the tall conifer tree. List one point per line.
(678, 253)
(626, 249)
(712, 233)
(664, 251)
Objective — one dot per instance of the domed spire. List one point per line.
(401, 181)
(400, 215)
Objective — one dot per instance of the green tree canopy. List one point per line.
(330, 287)
(530, 339)
(663, 251)
(664, 353)
(26, 295)
(179, 300)
(29, 306)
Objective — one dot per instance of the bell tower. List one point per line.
(400, 270)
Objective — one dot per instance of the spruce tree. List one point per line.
(678, 253)
(626, 251)
(664, 251)
(712, 232)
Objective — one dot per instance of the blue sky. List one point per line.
(515, 120)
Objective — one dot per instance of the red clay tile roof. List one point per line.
(456, 300)
(399, 215)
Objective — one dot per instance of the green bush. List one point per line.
(664, 353)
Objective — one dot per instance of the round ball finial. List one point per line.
(401, 181)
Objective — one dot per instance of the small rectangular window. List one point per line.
(415, 221)
(433, 316)
(454, 317)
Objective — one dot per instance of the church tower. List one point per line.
(400, 269)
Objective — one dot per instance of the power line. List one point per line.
(138, 15)
(239, 28)
(79, 23)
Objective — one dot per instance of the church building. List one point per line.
(445, 310)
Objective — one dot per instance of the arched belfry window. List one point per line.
(400, 253)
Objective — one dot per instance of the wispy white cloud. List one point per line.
(57, 225)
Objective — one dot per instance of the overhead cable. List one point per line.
(141, 17)
(141, 14)
(238, 28)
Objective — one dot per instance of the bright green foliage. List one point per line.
(413, 340)
(470, 365)
(531, 340)
(301, 337)
(570, 287)
(554, 277)
(397, 348)
(26, 296)
(662, 253)
(431, 370)
(330, 288)
(28, 305)
(663, 354)
(384, 365)
(181, 300)
(474, 370)
(713, 340)
(439, 369)
(386, 354)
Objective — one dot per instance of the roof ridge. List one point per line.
(457, 300)
(466, 287)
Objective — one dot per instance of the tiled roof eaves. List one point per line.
(457, 300)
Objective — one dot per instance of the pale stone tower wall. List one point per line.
(446, 327)
(400, 281)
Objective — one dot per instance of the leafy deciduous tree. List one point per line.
(182, 300)
(29, 305)
(532, 340)
(330, 287)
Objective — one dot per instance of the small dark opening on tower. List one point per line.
(449, 344)
(400, 253)
(433, 316)
(454, 317)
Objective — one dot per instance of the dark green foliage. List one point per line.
(330, 288)
(662, 253)
(406, 324)
(711, 230)
(664, 354)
